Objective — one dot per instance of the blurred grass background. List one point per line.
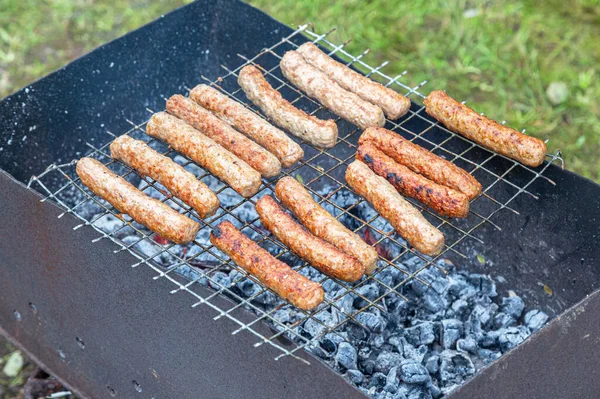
(534, 64)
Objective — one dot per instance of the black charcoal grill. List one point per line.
(115, 312)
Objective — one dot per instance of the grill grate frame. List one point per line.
(415, 126)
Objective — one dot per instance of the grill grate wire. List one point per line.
(324, 166)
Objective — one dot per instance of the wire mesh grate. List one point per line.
(322, 172)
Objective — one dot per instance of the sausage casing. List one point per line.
(150, 212)
(443, 200)
(208, 124)
(309, 128)
(203, 150)
(404, 217)
(321, 254)
(252, 125)
(393, 104)
(319, 86)
(463, 120)
(276, 275)
(419, 160)
(321, 223)
(167, 172)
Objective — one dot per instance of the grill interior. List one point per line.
(322, 172)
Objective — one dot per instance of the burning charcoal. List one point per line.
(503, 320)
(432, 364)
(355, 332)
(457, 285)
(386, 360)
(397, 342)
(330, 342)
(413, 373)
(455, 367)
(460, 309)
(421, 285)
(247, 287)
(535, 319)
(422, 333)
(435, 391)
(385, 395)
(346, 356)
(468, 344)
(313, 328)
(377, 340)
(367, 366)
(378, 380)
(488, 356)
(512, 336)
(374, 322)
(417, 392)
(434, 302)
(440, 284)
(513, 306)
(484, 284)
(416, 354)
(355, 376)
(490, 338)
(484, 313)
(345, 303)
(450, 332)
(368, 293)
(391, 382)
(331, 287)
(219, 280)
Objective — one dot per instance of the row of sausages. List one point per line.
(238, 146)
(321, 240)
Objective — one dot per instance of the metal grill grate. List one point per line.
(322, 173)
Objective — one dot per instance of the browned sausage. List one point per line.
(321, 223)
(392, 103)
(317, 85)
(276, 275)
(322, 255)
(419, 160)
(442, 199)
(310, 129)
(164, 170)
(208, 124)
(249, 123)
(150, 212)
(203, 150)
(502, 139)
(404, 217)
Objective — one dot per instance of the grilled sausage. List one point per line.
(393, 104)
(463, 120)
(164, 170)
(443, 200)
(223, 134)
(321, 254)
(321, 223)
(419, 160)
(150, 212)
(273, 139)
(319, 86)
(276, 275)
(310, 129)
(203, 150)
(404, 217)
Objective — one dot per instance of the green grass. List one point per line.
(501, 60)
(500, 56)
